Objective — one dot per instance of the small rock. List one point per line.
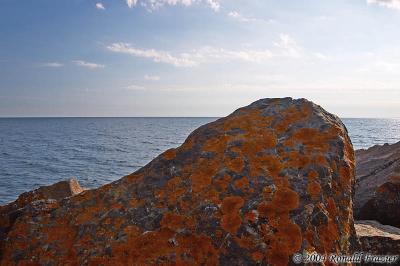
(378, 239)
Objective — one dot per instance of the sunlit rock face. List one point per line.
(271, 179)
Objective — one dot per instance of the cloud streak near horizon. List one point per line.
(88, 65)
(151, 5)
(394, 4)
(285, 47)
(52, 64)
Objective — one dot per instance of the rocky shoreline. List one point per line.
(272, 179)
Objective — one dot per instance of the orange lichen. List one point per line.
(285, 242)
(245, 242)
(257, 256)
(222, 183)
(213, 196)
(334, 166)
(202, 177)
(309, 236)
(170, 154)
(312, 139)
(313, 189)
(215, 144)
(286, 199)
(267, 192)
(288, 237)
(173, 196)
(251, 216)
(242, 183)
(329, 237)
(266, 163)
(346, 177)
(320, 160)
(200, 181)
(312, 175)
(175, 221)
(331, 208)
(297, 160)
(231, 220)
(247, 120)
(293, 115)
(236, 164)
(256, 141)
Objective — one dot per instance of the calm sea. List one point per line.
(41, 151)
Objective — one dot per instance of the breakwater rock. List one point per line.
(377, 193)
(376, 238)
(9, 213)
(271, 179)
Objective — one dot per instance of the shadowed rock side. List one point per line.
(378, 184)
(376, 238)
(271, 179)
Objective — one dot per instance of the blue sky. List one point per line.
(197, 57)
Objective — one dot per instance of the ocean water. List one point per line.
(42, 151)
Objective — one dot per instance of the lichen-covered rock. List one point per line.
(378, 239)
(377, 191)
(58, 191)
(271, 179)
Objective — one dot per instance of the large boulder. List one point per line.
(271, 179)
(378, 184)
(378, 239)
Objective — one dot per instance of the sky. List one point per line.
(197, 57)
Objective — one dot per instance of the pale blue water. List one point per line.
(41, 151)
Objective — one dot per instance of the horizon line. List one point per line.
(38, 117)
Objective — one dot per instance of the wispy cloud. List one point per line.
(322, 56)
(151, 5)
(135, 88)
(153, 78)
(181, 60)
(87, 64)
(285, 47)
(214, 4)
(288, 46)
(242, 18)
(100, 6)
(52, 64)
(395, 4)
(236, 15)
(131, 3)
(381, 66)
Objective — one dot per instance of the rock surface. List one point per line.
(376, 238)
(46, 194)
(271, 179)
(377, 193)
(58, 191)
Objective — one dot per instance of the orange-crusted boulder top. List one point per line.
(271, 179)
